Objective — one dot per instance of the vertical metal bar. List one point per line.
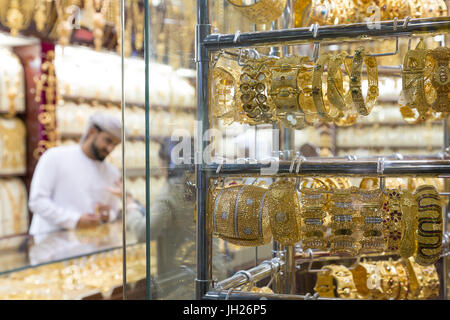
(202, 60)
(443, 267)
(147, 151)
(124, 198)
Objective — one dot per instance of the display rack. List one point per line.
(285, 257)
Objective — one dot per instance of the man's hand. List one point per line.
(88, 220)
(103, 211)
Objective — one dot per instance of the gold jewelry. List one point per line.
(12, 93)
(367, 280)
(335, 84)
(255, 106)
(408, 206)
(43, 11)
(224, 87)
(345, 287)
(390, 284)
(98, 19)
(392, 219)
(430, 228)
(313, 209)
(283, 208)
(431, 289)
(12, 135)
(17, 207)
(402, 274)
(285, 93)
(364, 106)
(416, 280)
(238, 214)
(373, 216)
(306, 97)
(413, 82)
(326, 112)
(441, 79)
(261, 12)
(64, 24)
(16, 15)
(343, 211)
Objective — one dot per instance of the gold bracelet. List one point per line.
(237, 214)
(365, 276)
(345, 287)
(224, 87)
(313, 209)
(413, 83)
(255, 106)
(283, 208)
(402, 274)
(335, 82)
(392, 219)
(343, 224)
(390, 284)
(285, 93)
(432, 285)
(416, 280)
(261, 12)
(441, 79)
(430, 227)
(364, 106)
(327, 112)
(408, 206)
(306, 97)
(373, 217)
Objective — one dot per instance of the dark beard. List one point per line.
(95, 152)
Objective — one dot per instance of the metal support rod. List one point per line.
(203, 29)
(222, 295)
(344, 167)
(350, 32)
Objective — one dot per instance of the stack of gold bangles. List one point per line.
(359, 219)
(426, 84)
(290, 90)
(380, 280)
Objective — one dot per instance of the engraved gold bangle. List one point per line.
(409, 209)
(345, 287)
(441, 79)
(402, 274)
(328, 112)
(225, 88)
(306, 98)
(413, 84)
(390, 284)
(261, 12)
(392, 219)
(335, 82)
(365, 275)
(430, 226)
(283, 208)
(255, 106)
(285, 92)
(373, 216)
(236, 214)
(364, 106)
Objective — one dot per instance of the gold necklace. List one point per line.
(42, 13)
(99, 21)
(12, 93)
(64, 25)
(18, 15)
(17, 207)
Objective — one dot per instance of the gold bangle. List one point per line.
(236, 214)
(224, 88)
(441, 79)
(313, 211)
(283, 208)
(285, 93)
(432, 285)
(413, 85)
(392, 219)
(255, 106)
(343, 224)
(326, 112)
(416, 280)
(345, 287)
(408, 207)
(366, 275)
(368, 183)
(390, 284)
(364, 106)
(306, 98)
(335, 82)
(373, 216)
(402, 274)
(430, 227)
(262, 12)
